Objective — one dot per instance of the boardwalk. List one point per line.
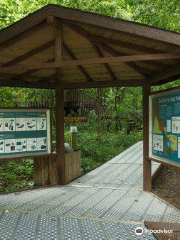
(107, 203)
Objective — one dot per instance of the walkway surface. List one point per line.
(107, 203)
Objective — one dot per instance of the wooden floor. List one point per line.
(107, 203)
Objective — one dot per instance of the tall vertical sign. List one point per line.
(165, 126)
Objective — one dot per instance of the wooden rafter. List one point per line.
(29, 72)
(53, 65)
(112, 52)
(165, 74)
(106, 65)
(23, 35)
(29, 54)
(81, 69)
(26, 84)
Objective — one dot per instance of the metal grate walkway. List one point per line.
(107, 203)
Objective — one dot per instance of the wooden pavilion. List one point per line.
(61, 48)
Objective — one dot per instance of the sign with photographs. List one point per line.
(165, 126)
(24, 132)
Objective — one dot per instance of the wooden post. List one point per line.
(147, 181)
(60, 135)
(73, 140)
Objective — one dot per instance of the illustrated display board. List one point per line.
(165, 126)
(24, 132)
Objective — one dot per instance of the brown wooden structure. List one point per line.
(61, 48)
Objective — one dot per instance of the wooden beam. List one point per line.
(23, 35)
(114, 52)
(147, 178)
(100, 84)
(131, 65)
(107, 67)
(81, 69)
(31, 66)
(60, 135)
(123, 59)
(165, 74)
(29, 54)
(26, 84)
(29, 72)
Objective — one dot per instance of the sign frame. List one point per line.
(49, 133)
(152, 157)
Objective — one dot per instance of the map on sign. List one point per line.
(24, 132)
(165, 125)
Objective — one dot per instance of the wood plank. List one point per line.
(147, 178)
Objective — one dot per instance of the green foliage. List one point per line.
(16, 175)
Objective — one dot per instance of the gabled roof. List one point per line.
(96, 50)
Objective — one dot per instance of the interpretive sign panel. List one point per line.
(24, 132)
(165, 126)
